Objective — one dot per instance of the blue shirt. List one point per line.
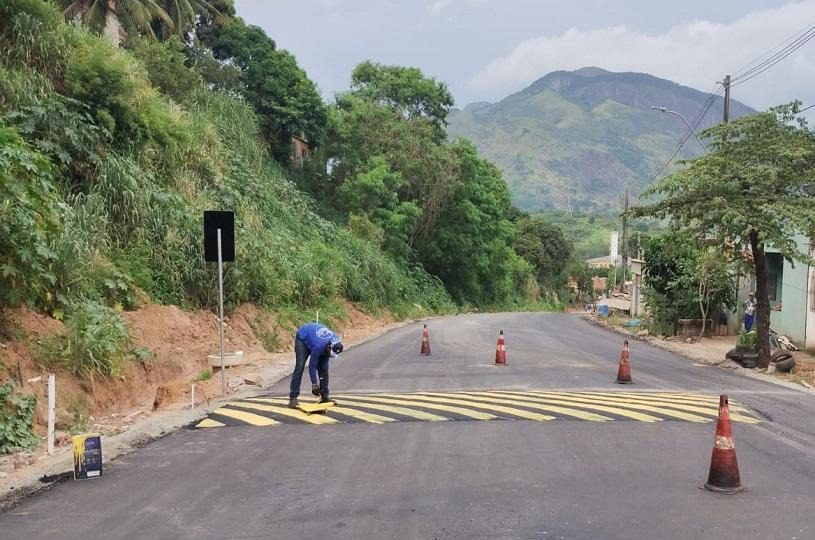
(317, 339)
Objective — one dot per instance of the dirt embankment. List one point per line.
(179, 342)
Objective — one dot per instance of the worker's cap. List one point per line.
(336, 347)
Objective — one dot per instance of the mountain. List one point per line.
(573, 140)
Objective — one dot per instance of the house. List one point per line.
(792, 294)
(299, 150)
(601, 262)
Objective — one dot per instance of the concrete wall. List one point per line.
(793, 294)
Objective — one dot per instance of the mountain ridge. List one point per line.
(573, 140)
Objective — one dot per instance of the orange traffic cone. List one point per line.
(724, 468)
(425, 342)
(624, 371)
(501, 350)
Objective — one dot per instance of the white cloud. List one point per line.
(696, 53)
(437, 7)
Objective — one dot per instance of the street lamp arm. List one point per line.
(690, 128)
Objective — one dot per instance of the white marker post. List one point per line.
(192, 397)
(221, 310)
(52, 404)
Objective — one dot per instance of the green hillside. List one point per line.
(104, 177)
(574, 140)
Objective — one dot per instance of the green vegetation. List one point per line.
(755, 188)
(387, 171)
(685, 280)
(108, 156)
(95, 342)
(16, 418)
(203, 375)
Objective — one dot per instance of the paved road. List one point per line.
(461, 477)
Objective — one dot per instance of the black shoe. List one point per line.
(293, 403)
(325, 399)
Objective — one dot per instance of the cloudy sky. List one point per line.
(487, 49)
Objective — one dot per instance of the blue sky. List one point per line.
(487, 49)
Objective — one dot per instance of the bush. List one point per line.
(96, 341)
(115, 87)
(16, 420)
(33, 35)
(164, 61)
(28, 223)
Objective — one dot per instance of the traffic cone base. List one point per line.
(501, 350)
(425, 342)
(724, 467)
(624, 371)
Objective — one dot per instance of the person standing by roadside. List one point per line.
(319, 344)
(749, 312)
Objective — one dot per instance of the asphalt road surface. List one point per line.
(452, 446)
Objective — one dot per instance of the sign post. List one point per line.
(219, 246)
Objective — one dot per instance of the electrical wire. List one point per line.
(774, 59)
(696, 121)
(794, 35)
(770, 59)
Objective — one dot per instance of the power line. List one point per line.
(697, 120)
(774, 59)
(796, 41)
(738, 71)
(772, 51)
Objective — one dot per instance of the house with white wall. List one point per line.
(791, 290)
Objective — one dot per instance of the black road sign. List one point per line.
(214, 220)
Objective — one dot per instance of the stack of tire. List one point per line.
(747, 357)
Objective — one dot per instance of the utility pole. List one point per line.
(625, 241)
(726, 98)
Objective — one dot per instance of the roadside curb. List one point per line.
(751, 373)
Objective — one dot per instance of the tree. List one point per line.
(405, 89)
(359, 130)
(470, 247)
(285, 99)
(580, 272)
(183, 14)
(756, 187)
(706, 278)
(542, 244)
(117, 18)
(372, 194)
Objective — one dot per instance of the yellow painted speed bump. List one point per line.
(209, 422)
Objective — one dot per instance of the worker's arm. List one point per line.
(313, 360)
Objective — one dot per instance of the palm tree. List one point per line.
(183, 14)
(116, 18)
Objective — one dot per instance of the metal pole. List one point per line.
(221, 311)
(52, 403)
(726, 98)
(690, 128)
(192, 399)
